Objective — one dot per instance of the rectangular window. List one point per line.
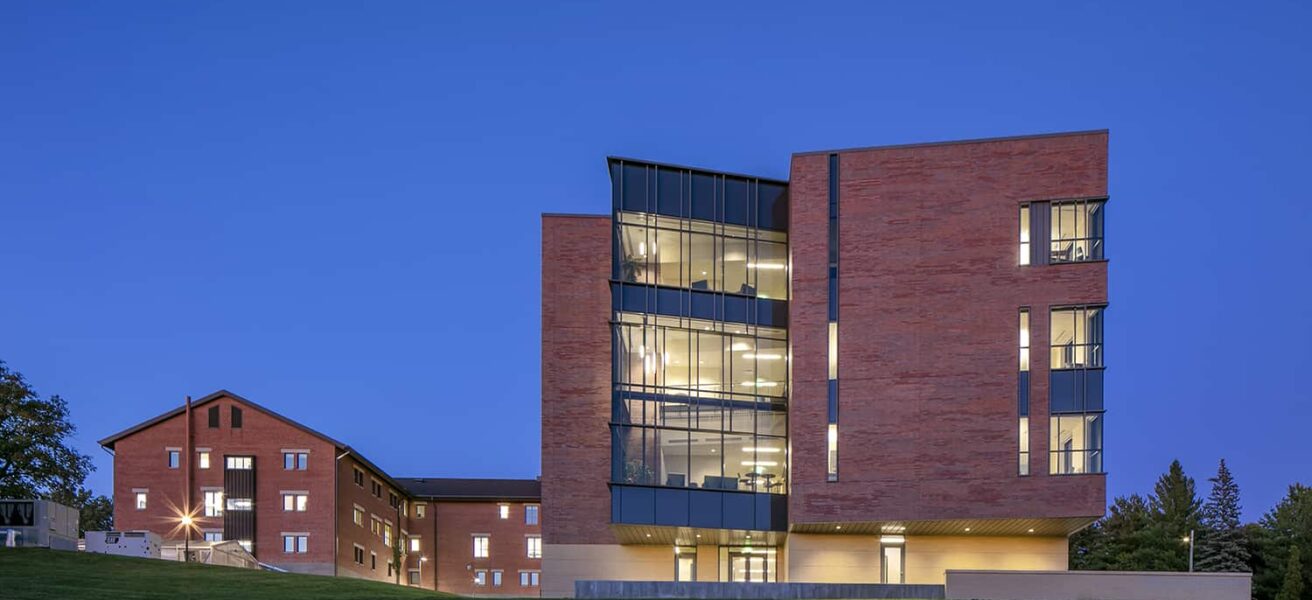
(203, 459)
(480, 577)
(393, 500)
(531, 514)
(141, 499)
(414, 576)
(831, 433)
(387, 534)
(240, 504)
(295, 501)
(685, 563)
(236, 418)
(1023, 393)
(295, 461)
(358, 555)
(1024, 234)
(503, 511)
(373, 561)
(375, 525)
(174, 458)
(1077, 231)
(833, 350)
(213, 503)
(358, 476)
(1076, 444)
(239, 463)
(534, 546)
(481, 546)
(832, 439)
(1024, 446)
(528, 578)
(1076, 337)
(295, 543)
(414, 544)
(420, 509)
(214, 417)
(496, 578)
(357, 516)
(214, 536)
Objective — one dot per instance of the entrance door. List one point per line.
(894, 572)
(748, 567)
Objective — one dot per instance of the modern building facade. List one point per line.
(887, 366)
(302, 501)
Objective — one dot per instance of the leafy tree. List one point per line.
(1292, 587)
(35, 457)
(97, 512)
(1223, 546)
(1282, 530)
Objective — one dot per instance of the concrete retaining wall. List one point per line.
(1097, 585)
(764, 591)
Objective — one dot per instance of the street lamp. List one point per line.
(186, 540)
(1189, 539)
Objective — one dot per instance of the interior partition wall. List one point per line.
(700, 348)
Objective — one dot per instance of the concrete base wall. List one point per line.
(752, 591)
(563, 564)
(820, 558)
(1097, 585)
(929, 558)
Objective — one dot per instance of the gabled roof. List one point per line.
(472, 489)
(110, 441)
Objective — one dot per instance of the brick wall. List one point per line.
(929, 294)
(575, 379)
(457, 522)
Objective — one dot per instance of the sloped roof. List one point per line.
(444, 488)
(109, 442)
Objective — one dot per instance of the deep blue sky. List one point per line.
(333, 208)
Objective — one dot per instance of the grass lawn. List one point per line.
(34, 573)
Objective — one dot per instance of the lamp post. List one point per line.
(1190, 540)
(186, 540)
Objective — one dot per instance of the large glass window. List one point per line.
(1075, 444)
(1077, 231)
(696, 361)
(1024, 234)
(701, 256)
(1076, 337)
(750, 564)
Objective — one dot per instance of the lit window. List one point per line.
(414, 544)
(1076, 337)
(247, 545)
(239, 463)
(1024, 234)
(358, 516)
(203, 459)
(504, 511)
(174, 458)
(1077, 231)
(534, 546)
(375, 525)
(141, 500)
(1024, 339)
(1076, 444)
(387, 534)
(1024, 445)
(481, 546)
(531, 514)
(295, 543)
(833, 350)
(480, 577)
(214, 503)
(295, 502)
(420, 509)
(1023, 394)
(240, 504)
(833, 450)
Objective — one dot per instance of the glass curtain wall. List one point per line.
(699, 403)
(1075, 390)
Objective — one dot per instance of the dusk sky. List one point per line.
(333, 208)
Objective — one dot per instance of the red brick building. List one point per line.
(887, 366)
(302, 501)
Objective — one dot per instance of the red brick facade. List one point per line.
(930, 288)
(576, 379)
(329, 480)
(508, 545)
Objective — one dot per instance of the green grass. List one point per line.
(34, 573)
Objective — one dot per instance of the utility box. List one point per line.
(141, 544)
(38, 524)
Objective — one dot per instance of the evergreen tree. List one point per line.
(1285, 528)
(1175, 510)
(1292, 587)
(1223, 547)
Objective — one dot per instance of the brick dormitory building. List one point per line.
(304, 502)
